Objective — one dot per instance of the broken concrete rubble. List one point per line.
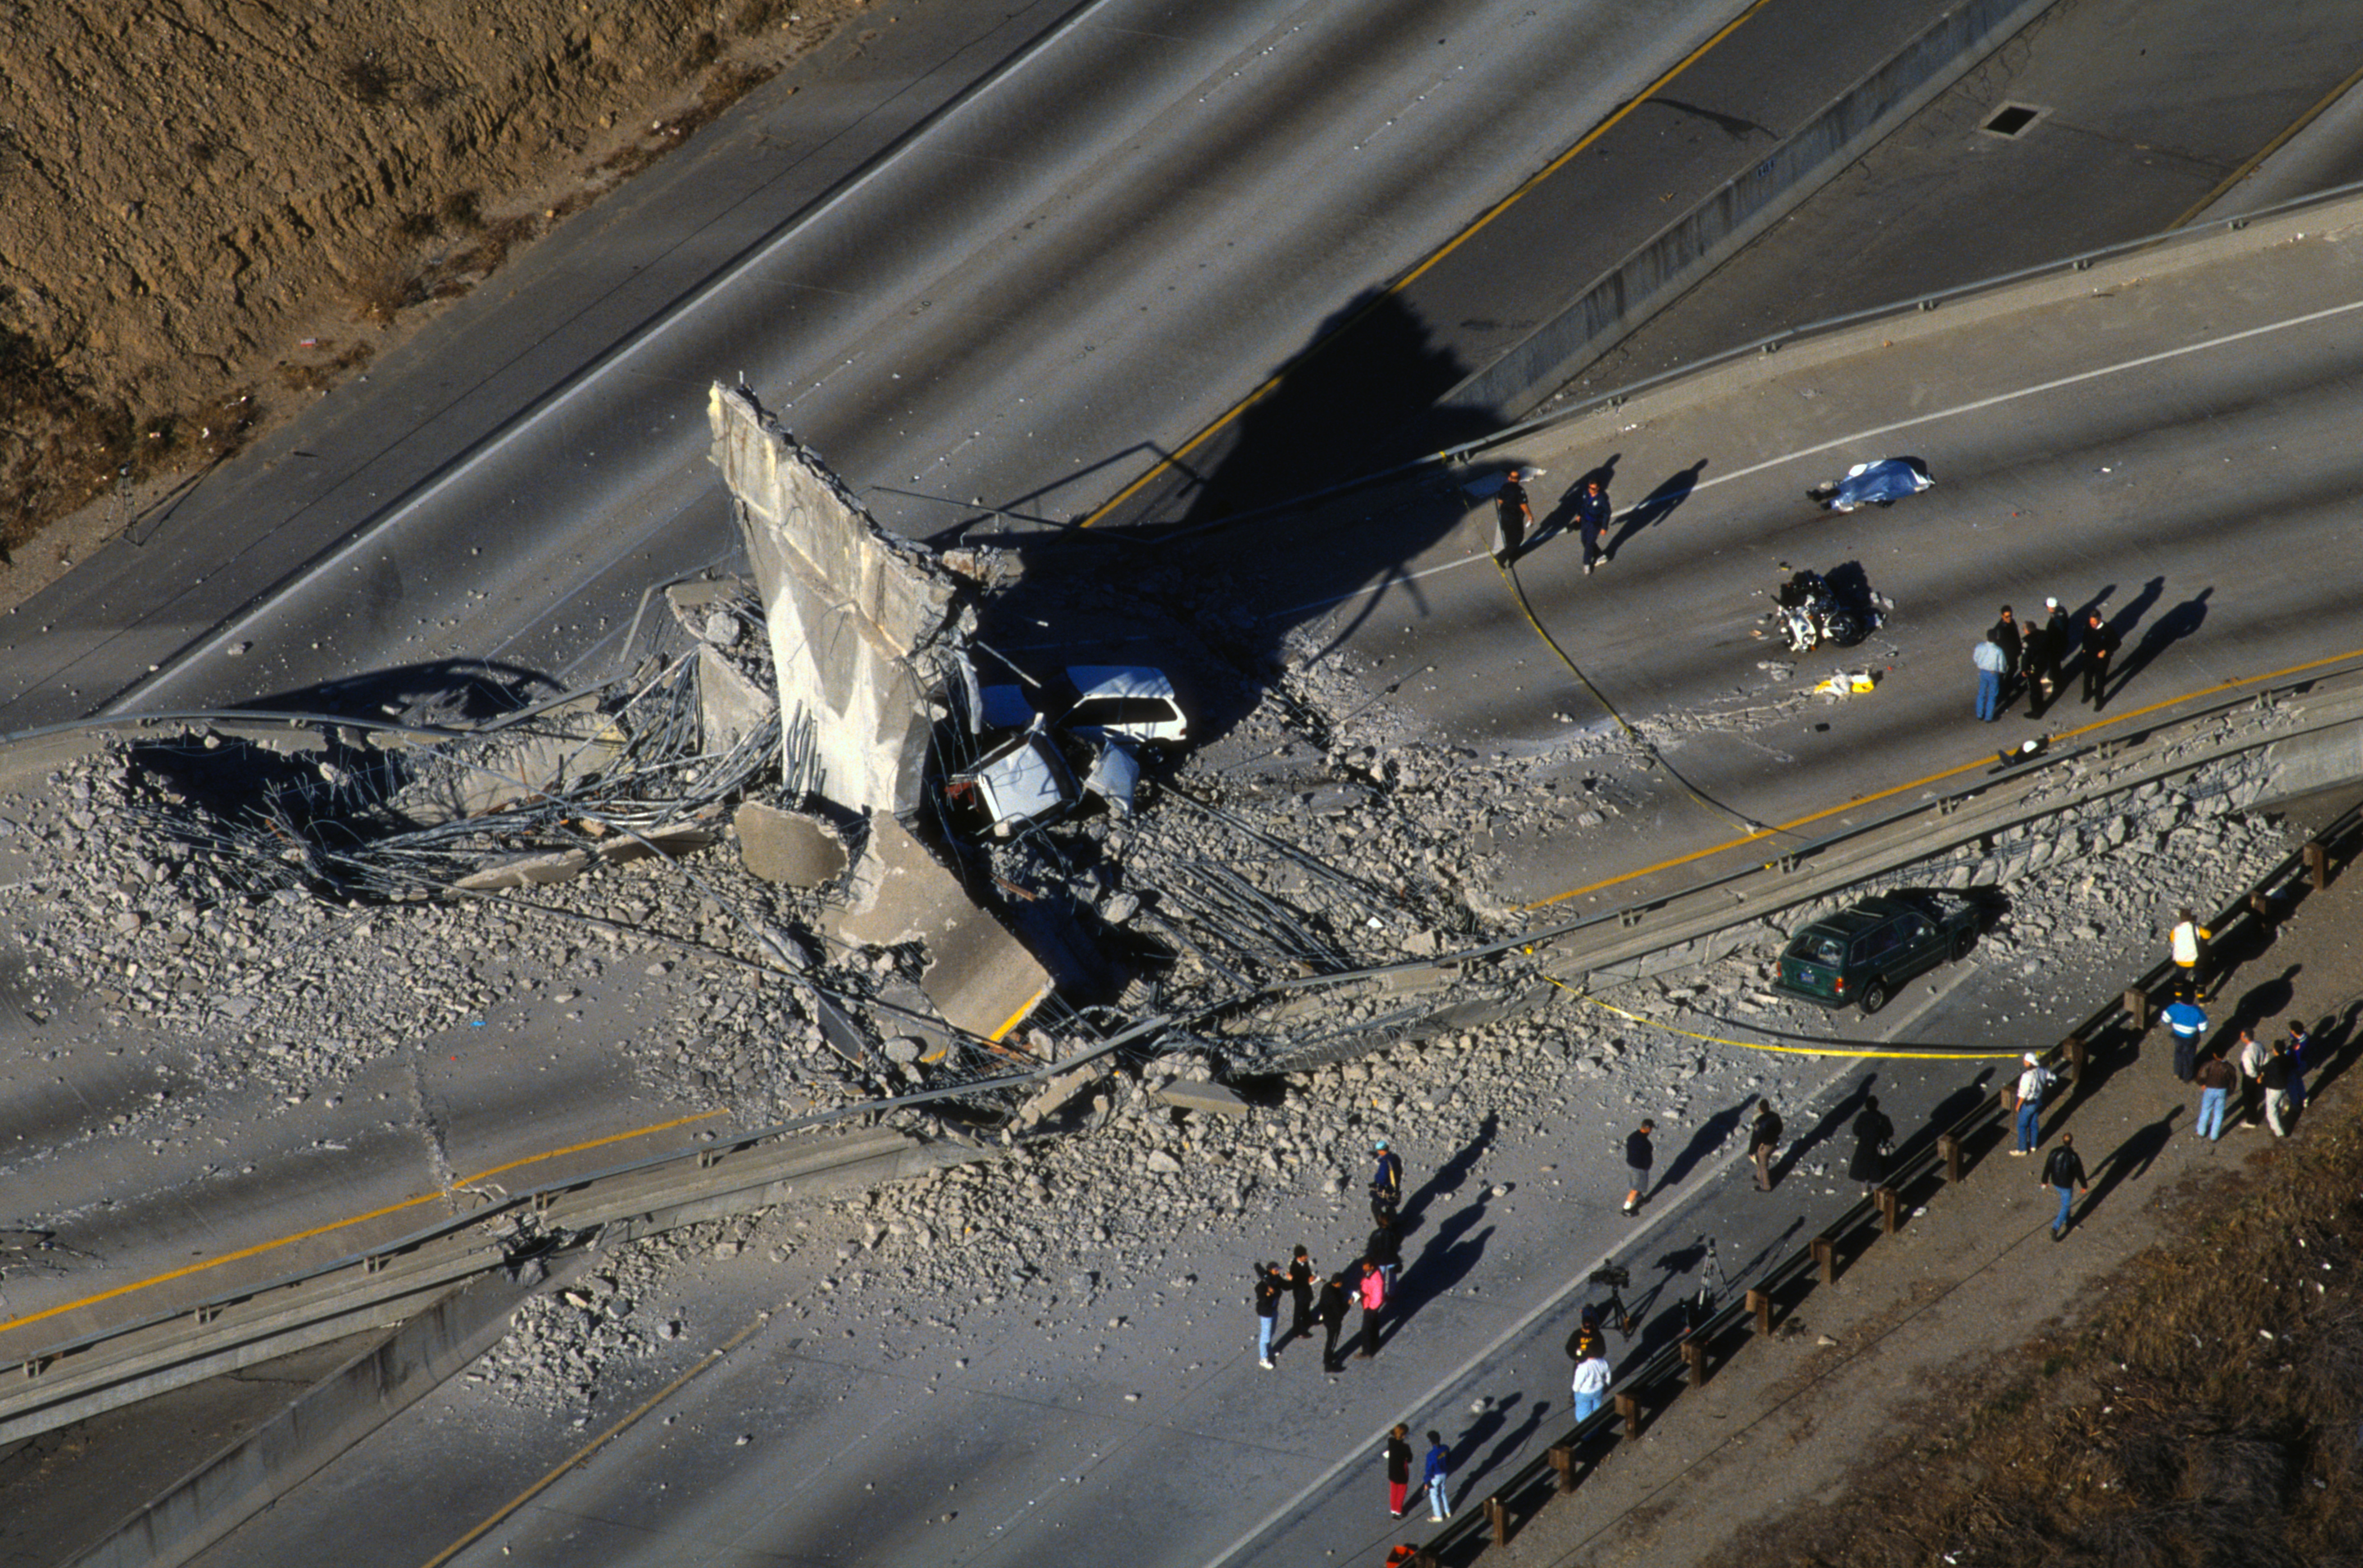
(1198, 1095)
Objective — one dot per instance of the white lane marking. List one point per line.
(1359, 1453)
(2037, 390)
(1381, 587)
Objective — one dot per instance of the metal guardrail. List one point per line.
(1690, 1362)
(358, 1278)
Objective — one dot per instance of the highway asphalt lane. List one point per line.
(1015, 1443)
(1125, 161)
(2131, 447)
(1110, 240)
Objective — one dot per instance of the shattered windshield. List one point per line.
(1811, 948)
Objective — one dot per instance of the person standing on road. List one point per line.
(2008, 635)
(2300, 1043)
(2188, 944)
(1763, 1138)
(2186, 1022)
(2251, 1055)
(1386, 1184)
(1639, 1155)
(1385, 1249)
(2063, 1171)
(1266, 1300)
(1433, 1476)
(1373, 1291)
(1591, 1383)
(1513, 514)
(2274, 1077)
(1991, 663)
(1398, 1468)
(2215, 1081)
(1335, 1297)
(1301, 1278)
(1872, 1132)
(1591, 515)
(2047, 650)
(2102, 641)
(2033, 1082)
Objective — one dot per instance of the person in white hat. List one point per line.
(2033, 1083)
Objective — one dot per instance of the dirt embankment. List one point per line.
(2209, 1411)
(209, 209)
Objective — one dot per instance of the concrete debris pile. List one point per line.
(565, 1344)
(1104, 1239)
(160, 928)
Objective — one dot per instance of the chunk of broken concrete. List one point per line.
(786, 848)
(527, 871)
(678, 840)
(979, 975)
(1197, 1095)
(730, 707)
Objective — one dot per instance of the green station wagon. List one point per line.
(1863, 954)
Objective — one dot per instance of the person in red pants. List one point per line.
(1398, 1468)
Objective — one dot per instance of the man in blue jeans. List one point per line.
(2186, 1022)
(2032, 1084)
(1991, 663)
(2215, 1081)
(2065, 1171)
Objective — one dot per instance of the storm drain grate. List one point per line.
(2012, 119)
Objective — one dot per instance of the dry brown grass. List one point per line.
(2210, 1412)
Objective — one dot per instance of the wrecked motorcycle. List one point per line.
(1810, 614)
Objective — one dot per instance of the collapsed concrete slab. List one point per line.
(788, 849)
(868, 635)
(527, 871)
(979, 977)
(865, 627)
(1198, 1095)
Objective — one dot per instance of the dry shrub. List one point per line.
(319, 375)
(464, 210)
(383, 290)
(60, 447)
(367, 79)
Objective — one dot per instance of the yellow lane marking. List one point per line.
(262, 1247)
(596, 1444)
(1934, 778)
(1788, 1050)
(1173, 458)
(2275, 145)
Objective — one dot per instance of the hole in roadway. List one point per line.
(2011, 119)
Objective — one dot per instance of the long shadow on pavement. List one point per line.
(1451, 1175)
(1711, 1135)
(1840, 1114)
(2128, 1161)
